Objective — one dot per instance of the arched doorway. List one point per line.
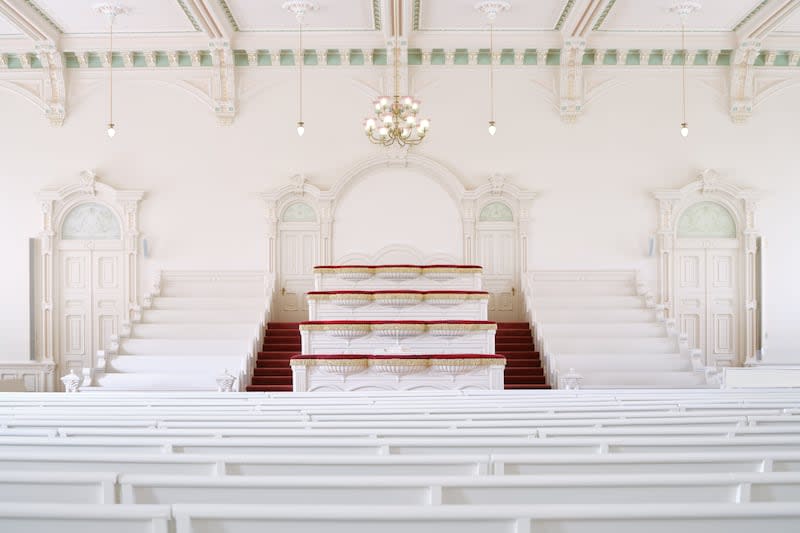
(493, 220)
(708, 268)
(88, 270)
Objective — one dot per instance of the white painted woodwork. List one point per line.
(707, 299)
(442, 308)
(761, 377)
(195, 327)
(709, 282)
(420, 375)
(604, 326)
(315, 342)
(299, 254)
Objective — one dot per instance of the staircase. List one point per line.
(273, 373)
(523, 366)
(282, 340)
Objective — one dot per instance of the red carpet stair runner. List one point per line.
(273, 373)
(282, 341)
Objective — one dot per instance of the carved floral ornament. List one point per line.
(707, 203)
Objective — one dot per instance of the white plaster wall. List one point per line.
(595, 176)
(397, 206)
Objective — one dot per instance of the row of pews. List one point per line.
(474, 461)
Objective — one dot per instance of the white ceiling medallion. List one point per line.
(491, 8)
(111, 10)
(686, 8)
(299, 8)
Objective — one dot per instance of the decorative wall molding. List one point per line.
(743, 80)
(31, 376)
(469, 203)
(742, 205)
(56, 205)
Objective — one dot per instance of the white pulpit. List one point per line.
(370, 372)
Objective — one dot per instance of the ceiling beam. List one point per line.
(765, 19)
(582, 18)
(212, 19)
(29, 21)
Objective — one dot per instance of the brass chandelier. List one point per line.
(395, 119)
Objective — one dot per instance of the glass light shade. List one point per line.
(111, 131)
(492, 128)
(685, 129)
(301, 128)
(407, 101)
(424, 124)
(384, 101)
(387, 119)
(415, 105)
(384, 131)
(411, 119)
(369, 124)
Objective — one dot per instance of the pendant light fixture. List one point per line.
(111, 11)
(395, 118)
(491, 8)
(684, 9)
(299, 8)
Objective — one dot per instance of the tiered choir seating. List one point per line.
(478, 461)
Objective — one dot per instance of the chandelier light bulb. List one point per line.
(111, 131)
(685, 129)
(492, 128)
(301, 129)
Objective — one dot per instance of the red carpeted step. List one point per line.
(514, 340)
(269, 388)
(273, 372)
(271, 380)
(284, 325)
(271, 355)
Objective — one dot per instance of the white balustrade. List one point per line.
(398, 305)
(392, 277)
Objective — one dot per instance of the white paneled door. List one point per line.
(497, 253)
(92, 303)
(299, 253)
(707, 295)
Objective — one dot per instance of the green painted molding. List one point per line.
(602, 18)
(357, 57)
(44, 15)
(189, 15)
(564, 14)
(376, 15)
(415, 15)
(228, 13)
(750, 15)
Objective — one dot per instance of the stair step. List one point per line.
(269, 388)
(270, 380)
(284, 325)
(274, 372)
(513, 386)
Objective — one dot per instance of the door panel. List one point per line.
(298, 256)
(76, 308)
(497, 253)
(706, 301)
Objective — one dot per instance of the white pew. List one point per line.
(653, 518)
(434, 490)
(655, 463)
(58, 487)
(75, 518)
(396, 446)
(245, 465)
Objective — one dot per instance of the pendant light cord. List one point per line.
(491, 72)
(683, 67)
(302, 60)
(110, 72)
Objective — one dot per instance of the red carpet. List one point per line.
(523, 366)
(282, 341)
(273, 373)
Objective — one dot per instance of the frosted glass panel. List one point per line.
(299, 212)
(496, 212)
(706, 219)
(91, 221)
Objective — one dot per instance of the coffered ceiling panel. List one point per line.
(146, 16)
(655, 15)
(332, 15)
(457, 15)
(6, 28)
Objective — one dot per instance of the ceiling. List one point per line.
(363, 23)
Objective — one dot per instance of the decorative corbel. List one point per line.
(571, 79)
(54, 90)
(743, 80)
(223, 81)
